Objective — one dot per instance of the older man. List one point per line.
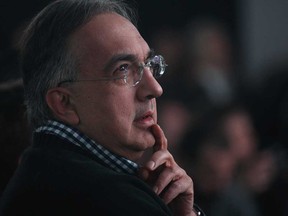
(90, 91)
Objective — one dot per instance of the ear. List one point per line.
(61, 105)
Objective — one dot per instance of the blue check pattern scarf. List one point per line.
(115, 162)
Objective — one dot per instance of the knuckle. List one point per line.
(176, 185)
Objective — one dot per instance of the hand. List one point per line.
(167, 179)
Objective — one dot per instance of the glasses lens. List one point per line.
(158, 66)
(135, 74)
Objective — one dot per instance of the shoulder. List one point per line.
(74, 182)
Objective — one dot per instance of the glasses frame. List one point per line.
(156, 60)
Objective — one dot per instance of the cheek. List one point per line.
(121, 115)
(106, 111)
(116, 111)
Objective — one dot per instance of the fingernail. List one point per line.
(150, 164)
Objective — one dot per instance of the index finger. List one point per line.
(160, 139)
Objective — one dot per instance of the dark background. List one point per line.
(258, 32)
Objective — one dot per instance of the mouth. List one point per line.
(145, 120)
(146, 116)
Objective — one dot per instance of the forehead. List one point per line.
(105, 36)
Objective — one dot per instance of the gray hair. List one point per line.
(47, 58)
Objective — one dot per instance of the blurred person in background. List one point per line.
(211, 62)
(229, 169)
(255, 168)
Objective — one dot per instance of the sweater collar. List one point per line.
(74, 136)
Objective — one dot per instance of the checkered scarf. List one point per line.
(115, 162)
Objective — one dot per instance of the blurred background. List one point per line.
(225, 104)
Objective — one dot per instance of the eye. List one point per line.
(121, 71)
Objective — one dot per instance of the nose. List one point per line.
(148, 88)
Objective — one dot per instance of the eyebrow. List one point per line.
(124, 57)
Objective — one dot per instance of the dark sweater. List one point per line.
(56, 177)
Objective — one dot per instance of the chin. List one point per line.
(143, 149)
(148, 141)
(141, 144)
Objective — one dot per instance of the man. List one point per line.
(90, 91)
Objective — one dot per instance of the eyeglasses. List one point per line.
(132, 73)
